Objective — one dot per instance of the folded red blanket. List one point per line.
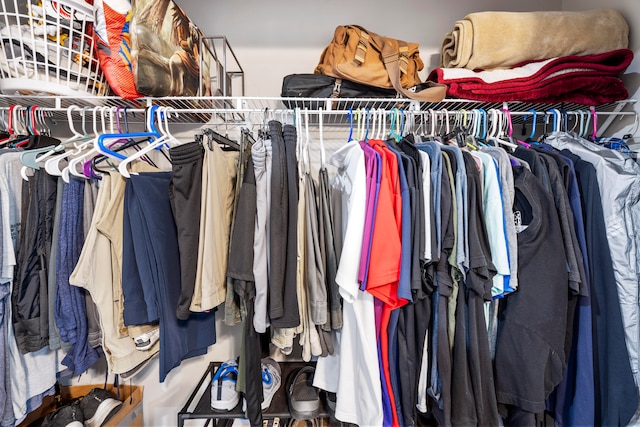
(584, 90)
(553, 80)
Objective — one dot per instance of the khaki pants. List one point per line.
(96, 273)
(218, 188)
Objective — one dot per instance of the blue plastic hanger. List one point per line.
(152, 133)
(366, 123)
(395, 124)
(483, 124)
(534, 118)
(350, 114)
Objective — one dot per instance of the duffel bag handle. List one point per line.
(395, 62)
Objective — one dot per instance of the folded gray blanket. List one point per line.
(489, 40)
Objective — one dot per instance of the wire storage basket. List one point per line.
(48, 48)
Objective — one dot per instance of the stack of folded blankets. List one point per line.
(539, 57)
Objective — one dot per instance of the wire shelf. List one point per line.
(241, 109)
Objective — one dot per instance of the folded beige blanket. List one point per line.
(488, 40)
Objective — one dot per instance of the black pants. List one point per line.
(185, 192)
(283, 219)
(29, 300)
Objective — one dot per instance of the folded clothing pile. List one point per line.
(546, 56)
(587, 80)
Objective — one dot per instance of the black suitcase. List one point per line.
(321, 86)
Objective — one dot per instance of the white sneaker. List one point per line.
(271, 380)
(223, 386)
(147, 340)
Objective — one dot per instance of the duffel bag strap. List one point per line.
(395, 60)
(361, 49)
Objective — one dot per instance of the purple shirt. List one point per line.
(373, 171)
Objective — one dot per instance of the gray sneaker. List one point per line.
(271, 380)
(98, 406)
(66, 416)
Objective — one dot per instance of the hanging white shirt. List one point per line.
(352, 371)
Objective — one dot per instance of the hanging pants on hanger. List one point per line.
(186, 196)
(156, 251)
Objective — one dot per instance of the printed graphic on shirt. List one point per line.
(517, 219)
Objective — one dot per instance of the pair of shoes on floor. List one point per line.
(224, 395)
(303, 397)
(93, 410)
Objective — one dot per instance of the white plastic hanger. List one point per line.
(496, 130)
(72, 166)
(321, 136)
(30, 158)
(165, 140)
(80, 142)
(383, 122)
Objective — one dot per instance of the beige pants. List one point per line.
(219, 172)
(97, 271)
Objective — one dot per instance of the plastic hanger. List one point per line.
(164, 139)
(90, 163)
(350, 115)
(374, 122)
(38, 138)
(303, 164)
(595, 123)
(367, 123)
(447, 125)
(630, 137)
(72, 167)
(30, 158)
(510, 137)
(395, 124)
(587, 122)
(152, 133)
(495, 131)
(555, 114)
(220, 139)
(90, 168)
(30, 129)
(534, 120)
(17, 133)
(482, 124)
(358, 125)
(80, 142)
(576, 121)
(321, 136)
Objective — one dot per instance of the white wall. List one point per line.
(631, 11)
(279, 37)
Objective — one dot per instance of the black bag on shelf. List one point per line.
(321, 86)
